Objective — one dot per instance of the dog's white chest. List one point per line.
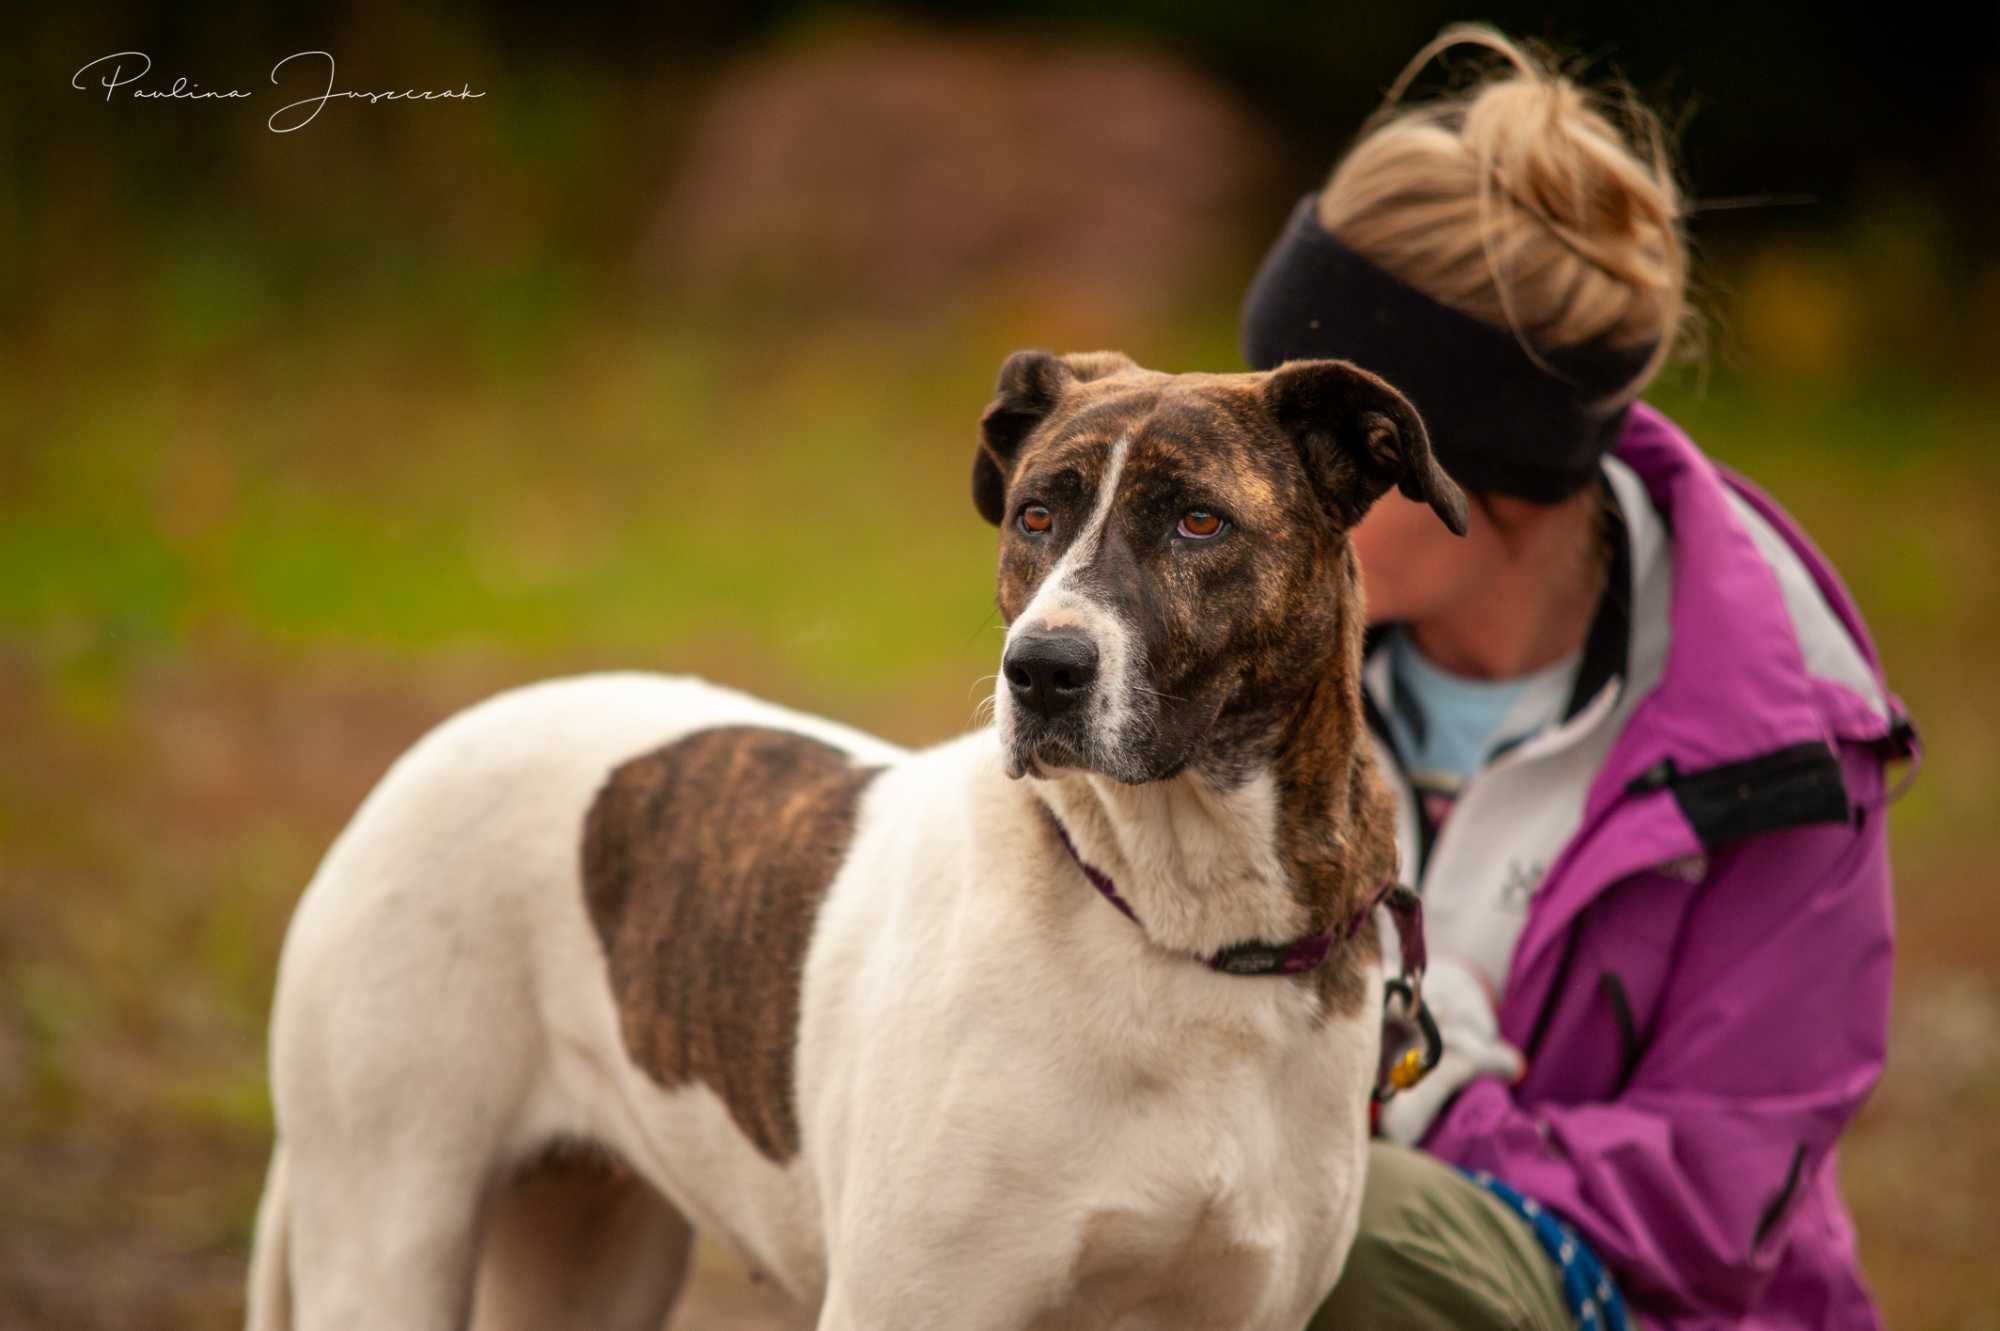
(1015, 1125)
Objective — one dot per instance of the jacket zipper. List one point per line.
(1421, 838)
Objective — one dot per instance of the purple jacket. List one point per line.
(1702, 982)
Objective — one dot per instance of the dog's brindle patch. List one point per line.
(1252, 644)
(704, 864)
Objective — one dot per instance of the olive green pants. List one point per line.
(1438, 1251)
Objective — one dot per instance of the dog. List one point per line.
(1070, 1022)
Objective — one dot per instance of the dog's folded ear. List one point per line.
(1030, 385)
(1357, 437)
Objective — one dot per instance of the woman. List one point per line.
(1641, 735)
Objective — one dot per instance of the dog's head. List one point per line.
(1174, 565)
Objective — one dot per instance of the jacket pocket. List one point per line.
(1774, 1210)
(1630, 1045)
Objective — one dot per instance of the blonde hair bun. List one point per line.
(1526, 200)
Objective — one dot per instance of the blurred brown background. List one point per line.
(667, 352)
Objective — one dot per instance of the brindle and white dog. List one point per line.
(606, 957)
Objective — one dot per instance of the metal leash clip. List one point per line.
(1411, 1042)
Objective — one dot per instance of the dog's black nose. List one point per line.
(1050, 673)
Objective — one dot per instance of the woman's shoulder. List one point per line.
(1749, 583)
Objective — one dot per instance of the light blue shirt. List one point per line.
(1446, 726)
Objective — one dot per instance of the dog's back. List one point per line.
(610, 959)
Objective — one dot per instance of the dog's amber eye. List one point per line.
(1035, 518)
(1199, 524)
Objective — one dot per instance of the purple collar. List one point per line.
(1301, 954)
(1411, 1044)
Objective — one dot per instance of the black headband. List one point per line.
(1498, 421)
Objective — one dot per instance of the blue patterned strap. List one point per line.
(1592, 1295)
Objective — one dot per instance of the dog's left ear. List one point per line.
(1357, 437)
(1030, 385)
